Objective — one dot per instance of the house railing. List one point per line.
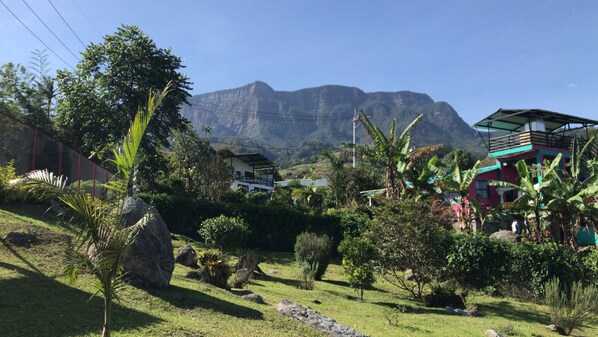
(254, 180)
(530, 138)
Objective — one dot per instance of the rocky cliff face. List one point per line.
(282, 118)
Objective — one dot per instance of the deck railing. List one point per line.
(530, 138)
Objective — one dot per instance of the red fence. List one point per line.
(32, 149)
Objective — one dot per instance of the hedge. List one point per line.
(273, 228)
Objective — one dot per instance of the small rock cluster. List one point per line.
(316, 320)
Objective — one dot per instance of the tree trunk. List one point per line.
(539, 235)
(107, 311)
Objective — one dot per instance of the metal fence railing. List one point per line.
(33, 149)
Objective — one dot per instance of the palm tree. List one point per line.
(391, 152)
(103, 237)
(532, 199)
(571, 197)
(336, 175)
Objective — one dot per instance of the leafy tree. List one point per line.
(359, 261)
(102, 239)
(21, 97)
(45, 84)
(409, 237)
(201, 169)
(99, 99)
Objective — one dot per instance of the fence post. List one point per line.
(34, 149)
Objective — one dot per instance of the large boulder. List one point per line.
(505, 235)
(316, 320)
(187, 257)
(150, 259)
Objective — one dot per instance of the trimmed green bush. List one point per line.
(224, 232)
(477, 261)
(312, 251)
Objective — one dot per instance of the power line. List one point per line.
(37, 37)
(50, 30)
(63, 20)
(86, 18)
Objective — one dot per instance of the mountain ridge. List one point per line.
(259, 113)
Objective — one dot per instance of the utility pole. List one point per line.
(354, 126)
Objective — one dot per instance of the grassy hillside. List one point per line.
(36, 301)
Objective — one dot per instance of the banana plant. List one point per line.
(102, 235)
(459, 182)
(572, 198)
(392, 152)
(533, 198)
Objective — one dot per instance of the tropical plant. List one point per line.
(459, 182)
(571, 194)
(532, 200)
(359, 262)
(392, 152)
(103, 237)
(570, 308)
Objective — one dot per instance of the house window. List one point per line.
(482, 190)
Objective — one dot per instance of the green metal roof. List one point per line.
(514, 120)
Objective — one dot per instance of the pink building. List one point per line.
(529, 134)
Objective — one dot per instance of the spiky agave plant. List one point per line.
(103, 237)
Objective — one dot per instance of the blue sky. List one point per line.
(476, 55)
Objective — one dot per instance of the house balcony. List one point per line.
(523, 138)
(264, 181)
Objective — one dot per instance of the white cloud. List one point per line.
(572, 85)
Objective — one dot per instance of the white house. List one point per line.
(253, 171)
(303, 182)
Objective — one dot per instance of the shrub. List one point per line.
(224, 232)
(533, 265)
(259, 198)
(477, 261)
(214, 268)
(8, 193)
(444, 294)
(589, 261)
(308, 271)
(359, 261)
(409, 238)
(570, 308)
(351, 223)
(312, 253)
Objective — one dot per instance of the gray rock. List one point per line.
(149, 260)
(556, 328)
(492, 333)
(505, 235)
(187, 257)
(254, 298)
(316, 320)
(20, 239)
(461, 312)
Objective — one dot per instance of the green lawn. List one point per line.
(36, 301)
